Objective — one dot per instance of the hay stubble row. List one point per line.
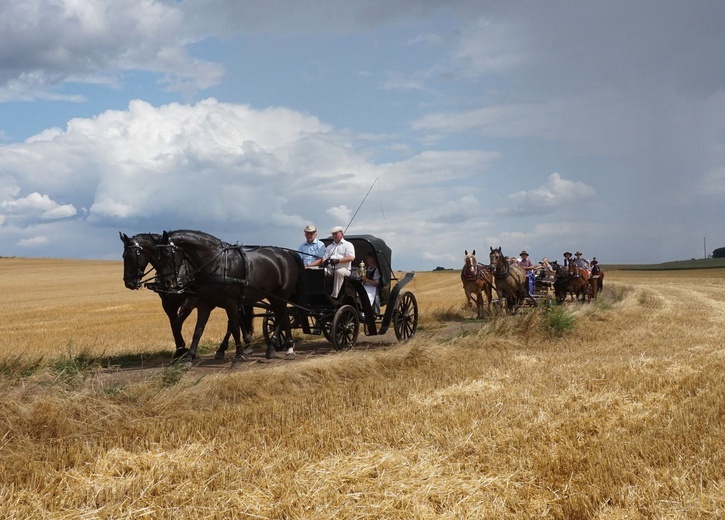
(620, 418)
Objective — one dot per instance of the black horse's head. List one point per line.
(560, 270)
(173, 271)
(138, 252)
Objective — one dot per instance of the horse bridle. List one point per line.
(501, 260)
(175, 271)
(136, 249)
(478, 269)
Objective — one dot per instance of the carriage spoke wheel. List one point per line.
(405, 316)
(326, 327)
(269, 323)
(345, 328)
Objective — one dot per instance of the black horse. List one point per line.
(598, 275)
(561, 281)
(227, 276)
(139, 252)
(567, 282)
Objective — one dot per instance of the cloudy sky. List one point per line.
(546, 126)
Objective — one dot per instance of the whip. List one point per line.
(360, 206)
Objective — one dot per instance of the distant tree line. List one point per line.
(719, 252)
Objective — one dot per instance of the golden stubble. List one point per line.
(498, 418)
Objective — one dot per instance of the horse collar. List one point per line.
(503, 274)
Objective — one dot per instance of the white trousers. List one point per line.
(339, 273)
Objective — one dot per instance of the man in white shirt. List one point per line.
(338, 259)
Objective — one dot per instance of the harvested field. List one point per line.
(613, 409)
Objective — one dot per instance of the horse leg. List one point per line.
(290, 344)
(202, 316)
(233, 327)
(171, 308)
(469, 303)
(247, 322)
(479, 303)
(489, 296)
(219, 354)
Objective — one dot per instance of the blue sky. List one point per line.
(545, 126)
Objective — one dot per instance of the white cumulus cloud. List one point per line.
(553, 194)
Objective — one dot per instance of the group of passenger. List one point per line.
(544, 269)
(337, 260)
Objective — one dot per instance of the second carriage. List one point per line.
(314, 311)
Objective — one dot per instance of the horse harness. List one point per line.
(506, 271)
(480, 273)
(193, 275)
(135, 249)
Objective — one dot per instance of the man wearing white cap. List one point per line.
(338, 259)
(312, 251)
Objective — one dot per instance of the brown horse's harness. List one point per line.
(495, 268)
(479, 274)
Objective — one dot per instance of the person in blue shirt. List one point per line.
(311, 250)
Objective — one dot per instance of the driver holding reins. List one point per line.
(338, 259)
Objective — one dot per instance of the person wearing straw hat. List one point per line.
(312, 250)
(338, 258)
(580, 261)
(581, 264)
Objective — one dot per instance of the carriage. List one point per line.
(196, 269)
(315, 312)
(544, 285)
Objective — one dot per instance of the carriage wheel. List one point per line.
(269, 323)
(326, 326)
(405, 316)
(345, 327)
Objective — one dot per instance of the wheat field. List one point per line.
(613, 409)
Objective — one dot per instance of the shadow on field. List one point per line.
(138, 367)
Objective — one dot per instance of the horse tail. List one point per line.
(300, 265)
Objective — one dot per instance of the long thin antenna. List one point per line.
(360, 206)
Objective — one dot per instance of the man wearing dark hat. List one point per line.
(528, 267)
(567, 259)
(312, 251)
(338, 259)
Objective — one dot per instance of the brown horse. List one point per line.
(579, 283)
(511, 281)
(477, 281)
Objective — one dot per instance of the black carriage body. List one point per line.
(315, 311)
(365, 244)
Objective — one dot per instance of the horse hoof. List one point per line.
(271, 353)
(289, 356)
(219, 354)
(247, 351)
(180, 353)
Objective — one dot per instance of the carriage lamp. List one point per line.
(361, 271)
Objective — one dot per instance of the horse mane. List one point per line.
(151, 237)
